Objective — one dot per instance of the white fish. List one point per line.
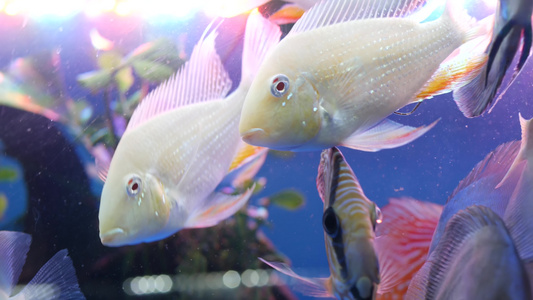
(55, 280)
(348, 64)
(475, 259)
(179, 145)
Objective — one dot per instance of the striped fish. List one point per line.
(349, 221)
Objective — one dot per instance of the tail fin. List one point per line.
(13, 249)
(510, 45)
(403, 243)
(260, 37)
(55, 280)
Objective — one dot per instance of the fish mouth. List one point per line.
(254, 136)
(112, 237)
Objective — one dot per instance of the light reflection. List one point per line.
(231, 279)
(148, 9)
(162, 284)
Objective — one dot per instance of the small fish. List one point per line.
(180, 144)
(348, 64)
(475, 259)
(55, 280)
(402, 243)
(512, 29)
(349, 220)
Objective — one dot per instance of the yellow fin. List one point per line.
(452, 74)
(288, 14)
(244, 154)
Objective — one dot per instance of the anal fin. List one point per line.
(385, 135)
(315, 287)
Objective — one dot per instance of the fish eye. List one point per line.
(330, 221)
(134, 185)
(280, 85)
(378, 216)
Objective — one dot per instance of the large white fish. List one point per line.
(475, 259)
(349, 220)
(348, 64)
(55, 280)
(512, 29)
(180, 144)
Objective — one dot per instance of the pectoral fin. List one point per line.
(385, 135)
(245, 165)
(218, 207)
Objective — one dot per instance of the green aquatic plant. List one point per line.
(152, 62)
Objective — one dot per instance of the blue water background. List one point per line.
(428, 169)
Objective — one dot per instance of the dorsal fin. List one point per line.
(325, 169)
(526, 148)
(260, 37)
(495, 163)
(330, 12)
(102, 160)
(518, 213)
(202, 78)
